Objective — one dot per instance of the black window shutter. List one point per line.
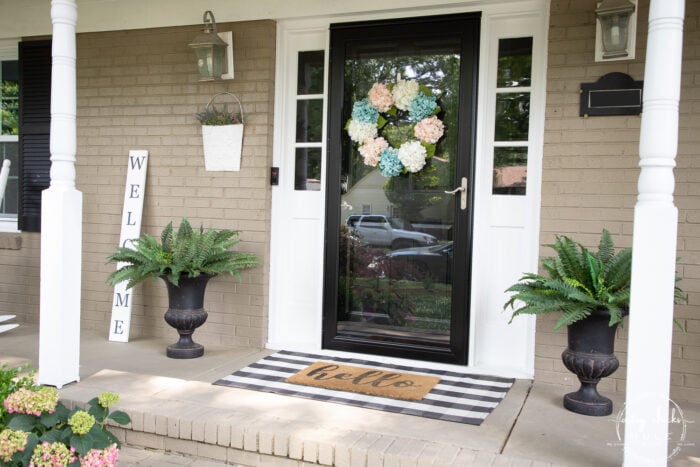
(34, 125)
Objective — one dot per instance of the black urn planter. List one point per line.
(186, 313)
(590, 356)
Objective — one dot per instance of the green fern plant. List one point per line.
(578, 283)
(187, 251)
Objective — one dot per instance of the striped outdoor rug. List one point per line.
(458, 397)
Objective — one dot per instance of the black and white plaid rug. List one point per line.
(458, 397)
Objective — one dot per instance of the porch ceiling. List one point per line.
(32, 17)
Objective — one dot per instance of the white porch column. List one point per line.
(654, 245)
(61, 215)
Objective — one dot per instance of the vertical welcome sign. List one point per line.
(130, 229)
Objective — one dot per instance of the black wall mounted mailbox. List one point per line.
(613, 94)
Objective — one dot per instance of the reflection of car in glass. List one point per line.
(378, 230)
(420, 263)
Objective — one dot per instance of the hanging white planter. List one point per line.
(222, 143)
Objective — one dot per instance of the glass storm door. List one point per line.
(399, 216)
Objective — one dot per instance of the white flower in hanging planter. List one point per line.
(222, 136)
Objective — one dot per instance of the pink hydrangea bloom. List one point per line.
(429, 130)
(11, 442)
(26, 401)
(380, 97)
(107, 457)
(371, 150)
(52, 455)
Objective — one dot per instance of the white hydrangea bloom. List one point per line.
(360, 132)
(412, 155)
(404, 92)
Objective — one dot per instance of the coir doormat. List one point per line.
(373, 381)
(459, 396)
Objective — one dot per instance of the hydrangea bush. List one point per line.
(38, 430)
(12, 379)
(384, 106)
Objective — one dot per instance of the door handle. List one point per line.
(462, 190)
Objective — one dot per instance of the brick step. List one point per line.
(238, 427)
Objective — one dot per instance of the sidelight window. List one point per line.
(512, 123)
(309, 131)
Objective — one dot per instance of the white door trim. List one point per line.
(295, 321)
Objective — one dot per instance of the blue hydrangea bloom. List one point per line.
(422, 106)
(389, 163)
(364, 112)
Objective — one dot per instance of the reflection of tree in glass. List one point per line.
(9, 107)
(512, 116)
(354, 260)
(507, 156)
(514, 70)
(412, 193)
(309, 120)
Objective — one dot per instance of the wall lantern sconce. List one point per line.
(616, 30)
(214, 51)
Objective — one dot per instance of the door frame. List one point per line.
(466, 27)
(297, 326)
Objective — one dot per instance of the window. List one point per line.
(25, 118)
(512, 123)
(9, 139)
(309, 133)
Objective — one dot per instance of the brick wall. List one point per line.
(139, 90)
(19, 279)
(590, 173)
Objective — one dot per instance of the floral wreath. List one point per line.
(382, 106)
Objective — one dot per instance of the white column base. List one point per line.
(61, 258)
(650, 335)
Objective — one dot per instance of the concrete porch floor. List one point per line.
(180, 418)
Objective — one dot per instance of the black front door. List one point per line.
(401, 135)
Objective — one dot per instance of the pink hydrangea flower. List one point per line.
(11, 442)
(380, 97)
(371, 150)
(52, 455)
(107, 457)
(26, 401)
(429, 130)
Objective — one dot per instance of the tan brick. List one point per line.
(146, 440)
(223, 434)
(212, 451)
(198, 430)
(161, 425)
(181, 446)
(210, 432)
